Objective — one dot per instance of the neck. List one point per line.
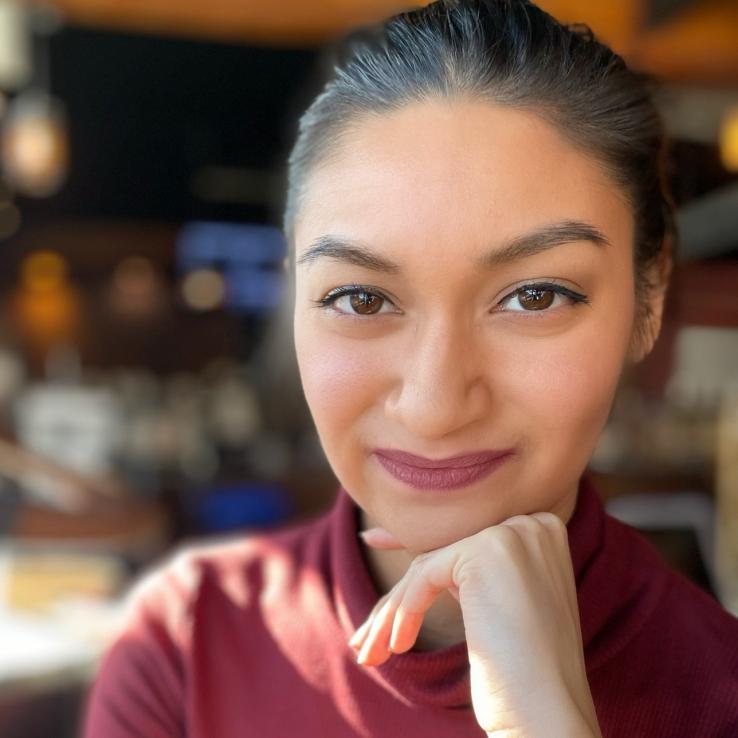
(443, 624)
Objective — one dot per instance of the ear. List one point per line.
(647, 323)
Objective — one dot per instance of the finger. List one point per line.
(431, 578)
(380, 538)
(405, 630)
(375, 646)
(359, 637)
(374, 651)
(362, 631)
(427, 576)
(363, 628)
(431, 575)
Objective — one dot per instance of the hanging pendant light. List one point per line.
(35, 148)
(34, 141)
(728, 139)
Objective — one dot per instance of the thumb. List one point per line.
(379, 538)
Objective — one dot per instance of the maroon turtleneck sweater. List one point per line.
(247, 638)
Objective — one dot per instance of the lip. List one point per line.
(473, 458)
(449, 473)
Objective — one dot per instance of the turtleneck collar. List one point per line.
(441, 677)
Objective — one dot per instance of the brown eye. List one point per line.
(365, 303)
(542, 298)
(535, 299)
(355, 302)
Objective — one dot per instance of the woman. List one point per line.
(480, 242)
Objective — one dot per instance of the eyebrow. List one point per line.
(519, 247)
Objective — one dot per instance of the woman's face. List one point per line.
(439, 356)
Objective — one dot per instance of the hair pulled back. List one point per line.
(509, 52)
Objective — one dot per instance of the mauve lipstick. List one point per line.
(449, 473)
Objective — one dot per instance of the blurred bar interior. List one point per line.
(148, 390)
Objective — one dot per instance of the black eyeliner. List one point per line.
(353, 289)
(576, 296)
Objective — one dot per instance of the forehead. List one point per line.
(453, 171)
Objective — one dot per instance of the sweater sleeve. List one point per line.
(139, 686)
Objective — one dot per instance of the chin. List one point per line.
(423, 542)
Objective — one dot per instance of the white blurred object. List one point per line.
(234, 411)
(62, 636)
(78, 427)
(705, 364)
(36, 648)
(15, 45)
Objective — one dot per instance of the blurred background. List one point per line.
(148, 388)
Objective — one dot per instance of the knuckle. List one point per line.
(527, 522)
(500, 538)
(419, 561)
(551, 521)
(547, 517)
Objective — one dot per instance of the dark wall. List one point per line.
(150, 115)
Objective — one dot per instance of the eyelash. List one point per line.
(357, 289)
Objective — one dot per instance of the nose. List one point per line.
(443, 384)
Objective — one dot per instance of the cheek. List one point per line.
(562, 391)
(568, 383)
(571, 393)
(340, 378)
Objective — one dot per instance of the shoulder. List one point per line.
(662, 655)
(704, 628)
(679, 655)
(690, 649)
(200, 587)
(678, 608)
(235, 567)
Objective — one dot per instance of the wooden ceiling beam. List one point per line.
(616, 22)
(699, 44)
(284, 22)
